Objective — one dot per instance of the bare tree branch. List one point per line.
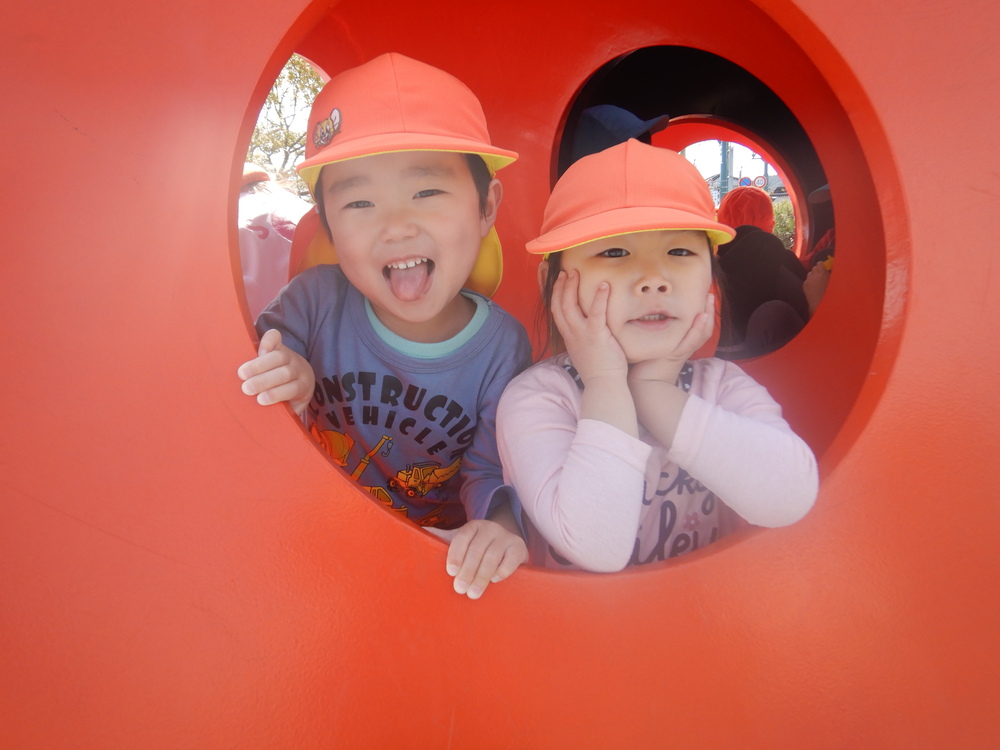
(279, 140)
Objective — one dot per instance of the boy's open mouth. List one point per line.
(409, 279)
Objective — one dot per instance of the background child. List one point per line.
(266, 220)
(396, 367)
(762, 279)
(620, 449)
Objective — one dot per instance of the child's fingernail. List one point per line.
(452, 570)
(475, 592)
(461, 586)
(496, 579)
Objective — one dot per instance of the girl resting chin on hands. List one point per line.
(622, 449)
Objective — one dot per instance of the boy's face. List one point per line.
(407, 228)
(659, 283)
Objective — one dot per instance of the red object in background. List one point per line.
(184, 569)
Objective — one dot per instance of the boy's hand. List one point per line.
(591, 346)
(483, 552)
(666, 369)
(278, 374)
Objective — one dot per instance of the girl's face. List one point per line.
(659, 283)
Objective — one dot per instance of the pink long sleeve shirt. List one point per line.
(598, 499)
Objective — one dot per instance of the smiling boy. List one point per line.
(403, 224)
(394, 351)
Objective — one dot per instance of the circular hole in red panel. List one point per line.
(690, 63)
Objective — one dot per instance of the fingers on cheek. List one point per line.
(570, 289)
(559, 286)
(598, 304)
(569, 307)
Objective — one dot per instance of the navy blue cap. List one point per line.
(605, 125)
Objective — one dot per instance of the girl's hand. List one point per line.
(652, 383)
(594, 350)
(666, 369)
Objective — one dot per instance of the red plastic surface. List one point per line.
(183, 569)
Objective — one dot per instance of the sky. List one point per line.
(707, 157)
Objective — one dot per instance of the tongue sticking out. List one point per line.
(409, 284)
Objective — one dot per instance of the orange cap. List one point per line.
(253, 173)
(747, 205)
(394, 103)
(631, 187)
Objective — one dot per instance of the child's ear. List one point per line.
(543, 274)
(494, 194)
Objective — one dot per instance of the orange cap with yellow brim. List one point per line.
(394, 103)
(631, 187)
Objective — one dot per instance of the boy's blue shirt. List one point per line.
(417, 432)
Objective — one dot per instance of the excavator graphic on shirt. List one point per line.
(414, 482)
(419, 479)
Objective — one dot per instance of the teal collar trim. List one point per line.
(437, 349)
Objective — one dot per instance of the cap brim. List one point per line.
(387, 143)
(655, 125)
(251, 176)
(626, 221)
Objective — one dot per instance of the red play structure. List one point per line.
(184, 569)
